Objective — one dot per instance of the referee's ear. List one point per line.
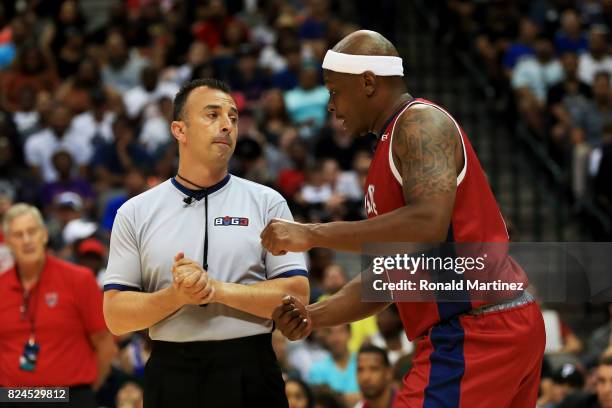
(177, 127)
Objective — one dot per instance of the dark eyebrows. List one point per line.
(218, 107)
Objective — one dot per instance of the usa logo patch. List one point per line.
(236, 221)
(51, 299)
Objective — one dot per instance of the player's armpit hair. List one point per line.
(424, 142)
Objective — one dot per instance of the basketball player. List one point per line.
(425, 184)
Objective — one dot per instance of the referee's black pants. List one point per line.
(232, 373)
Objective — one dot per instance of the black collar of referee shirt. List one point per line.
(200, 194)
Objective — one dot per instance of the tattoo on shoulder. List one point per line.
(424, 143)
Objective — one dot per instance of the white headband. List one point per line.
(358, 64)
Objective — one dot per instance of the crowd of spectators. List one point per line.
(86, 94)
(552, 61)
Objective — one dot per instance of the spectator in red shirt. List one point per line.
(53, 332)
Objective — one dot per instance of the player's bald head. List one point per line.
(366, 42)
(356, 98)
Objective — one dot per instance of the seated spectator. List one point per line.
(155, 133)
(211, 22)
(375, 378)
(602, 398)
(334, 278)
(7, 198)
(568, 92)
(307, 104)
(94, 126)
(594, 113)
(298, 394)
(147, 92)
(198, 55)
(72, 50)
(391, 335)
(64, 34)
(559, 336)
(33, 70)
(601, 169)
(339, 370)
(598, 58)
(66, 206)
(567, 380)
(350, 184)
(570, 37)
(315, 190)
(77, 91)
(66, 181)
(524, 46)
(79, 355)
(91, 253)
(273, 118)
(130, 395)
(303, 354)
(591, 122)
(123, 68)
(599, 341)
(41, 146)
(76, 230)
(279, 344)
(316, 21)
(134, 356)
(288, 77)
(27, 119)
(249, 161)
(134, 183)
(112, 160)
(334, 142)
(247, 78)
(531, 79)
(290, 180)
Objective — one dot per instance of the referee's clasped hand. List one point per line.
(282, 236)
(292, 318)
(191, 282)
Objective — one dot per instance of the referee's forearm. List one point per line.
(127, 311)
(261, 298)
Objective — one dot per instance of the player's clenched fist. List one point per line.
(292, 318)
(191, 282)
(282, 236)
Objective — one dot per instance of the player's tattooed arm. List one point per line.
(424, 146)
(427, 153)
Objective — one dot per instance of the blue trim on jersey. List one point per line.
(447, 365)
(390, 119)
(293, 272)
(461, 299)
(200, 194)
(123, 288)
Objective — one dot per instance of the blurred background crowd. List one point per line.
(86, 91)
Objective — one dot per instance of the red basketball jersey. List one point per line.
(476, 217)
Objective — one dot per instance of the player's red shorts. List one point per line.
(491, 360)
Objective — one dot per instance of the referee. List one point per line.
(194, 240)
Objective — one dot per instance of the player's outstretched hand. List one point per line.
(282, 236)
(292, 318)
